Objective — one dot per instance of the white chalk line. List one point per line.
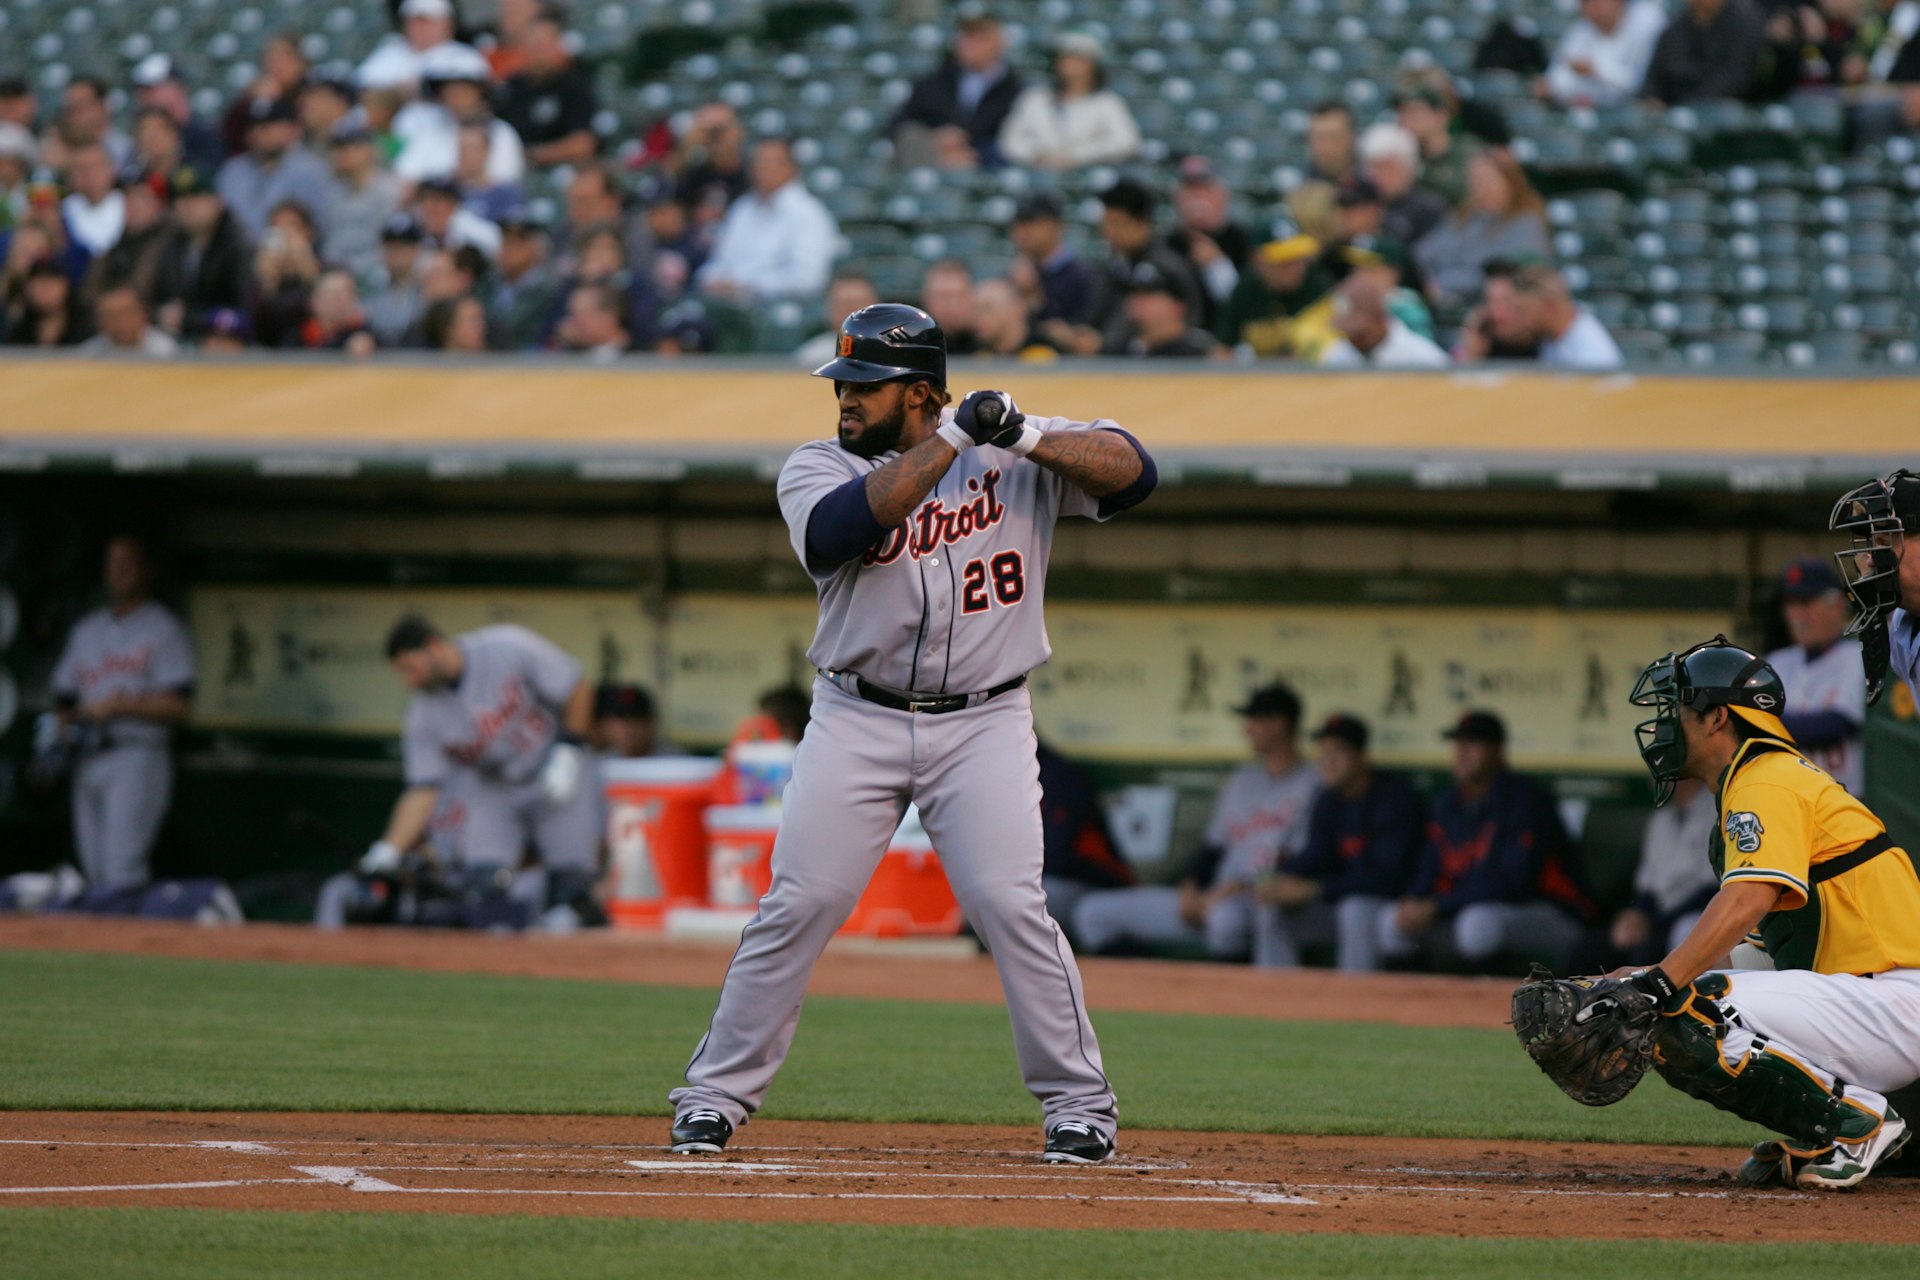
(1516, 1191)
(158, 1186)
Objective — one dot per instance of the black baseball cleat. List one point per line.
(1071, 1142)
(701, 1133)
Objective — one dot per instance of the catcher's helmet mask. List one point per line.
(1877, 515)
(1716, 673)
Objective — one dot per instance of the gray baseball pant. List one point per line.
(975, 779)
(1236, 928)
(120, 796)
(503, 817)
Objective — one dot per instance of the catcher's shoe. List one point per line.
(1848, 1163)
(1775, 1164)
(701, 1133)
(1071, 1142)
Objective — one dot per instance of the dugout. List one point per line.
(1398, 546)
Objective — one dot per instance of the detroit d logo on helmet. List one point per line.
(846, 344)
(1744, 830)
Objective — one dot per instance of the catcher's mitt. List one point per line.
(1592, 1036)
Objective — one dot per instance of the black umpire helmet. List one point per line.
(889, 342)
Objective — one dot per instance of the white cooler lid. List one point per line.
(662, 770)
(743, 817)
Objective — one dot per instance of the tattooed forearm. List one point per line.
(1098, 463)
(897, 488)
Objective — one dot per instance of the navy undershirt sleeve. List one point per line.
(1136, 493)
(841, 526)
(1821, 728)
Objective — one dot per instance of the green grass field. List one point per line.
(92, 1031)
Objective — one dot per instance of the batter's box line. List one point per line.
(1516, 1191)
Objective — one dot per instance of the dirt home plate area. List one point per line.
(946, 1175)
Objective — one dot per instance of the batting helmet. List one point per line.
(889, 342)
(1718, 673)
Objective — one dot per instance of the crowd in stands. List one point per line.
(391, 205)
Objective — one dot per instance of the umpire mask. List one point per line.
(1876, 515)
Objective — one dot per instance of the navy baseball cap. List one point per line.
(1276, 699)
(272, 111)
(403, 226)
(1809, 578)
(1478, 726)
(1343, 728)
(624, 701)
(1041, 206)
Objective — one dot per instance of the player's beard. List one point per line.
(878, 437)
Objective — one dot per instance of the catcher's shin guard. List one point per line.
(1699, 1052)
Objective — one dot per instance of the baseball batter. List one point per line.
(1812, 1048)
(927, 531)
(499, 711)
(123, 681)
(1882, 579)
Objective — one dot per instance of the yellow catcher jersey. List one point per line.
(1850, 899)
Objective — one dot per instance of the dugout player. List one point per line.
(926, 529)
(1811, 1048)
(498, 712)
(123, 682)
(1821, 670)
(1882, 578)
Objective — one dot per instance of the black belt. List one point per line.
(1846, 862)
(930, 706)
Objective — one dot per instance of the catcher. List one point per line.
(1808, 873)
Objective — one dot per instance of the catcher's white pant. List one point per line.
(1864, 1032)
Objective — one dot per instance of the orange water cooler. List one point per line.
(655, 837)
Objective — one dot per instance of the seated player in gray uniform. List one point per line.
(1362, 839)
(626, 724)
(501, 712)
(1259, 817)
(926, 530)
(123, 682)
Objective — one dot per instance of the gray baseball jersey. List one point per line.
(1259, 818)
(1904, 648)
(144, 651)
(501, 719)
(949, 602)
(1834, 681)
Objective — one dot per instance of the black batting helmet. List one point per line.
(889, 342)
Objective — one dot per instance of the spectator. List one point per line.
(1671, 888)
(336, 322)
(362, 197)
(447, 223)
(157, 145)
(946, 294)
(1602, 57)
(1363, 835)
(1490, 883)
(395, 62)
(1371, 337)
(1502, 217)
(95, 208)
(550, 102)
(504, 48)
(1817, 48)
(456, 325)
(43, 309)
(483, 195)
(1710, 51)
(711, 160)
(1156, 320)
(44, 229)
(523, 295)
(285, 268)
(19, 153)
(847, 292)
(626, 724)
(228, 333)
(283, 69)
(1214, 245)
(1822, 671)
(84, 121)
(1126, 224)
(395, 307)
(158, 87)
(953, 117)
(324, 105)
(203, 261)
(1287, 279)
(1075, 120)
(594, 200)
(135, 257)
(1259, 818)
(1428, 113)
(596, 323)
(274, 170)
(1386, 263)
(1330, 150)
(602, 260)
(1529, 307)
(790, 708)
(778, 240)
(678, 248)
(1390, 157)
(456, 81)
(1068, 286)
(18, 105)
(122, 317)
(1077, 852)
(1359, 213)
(1004, 327)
